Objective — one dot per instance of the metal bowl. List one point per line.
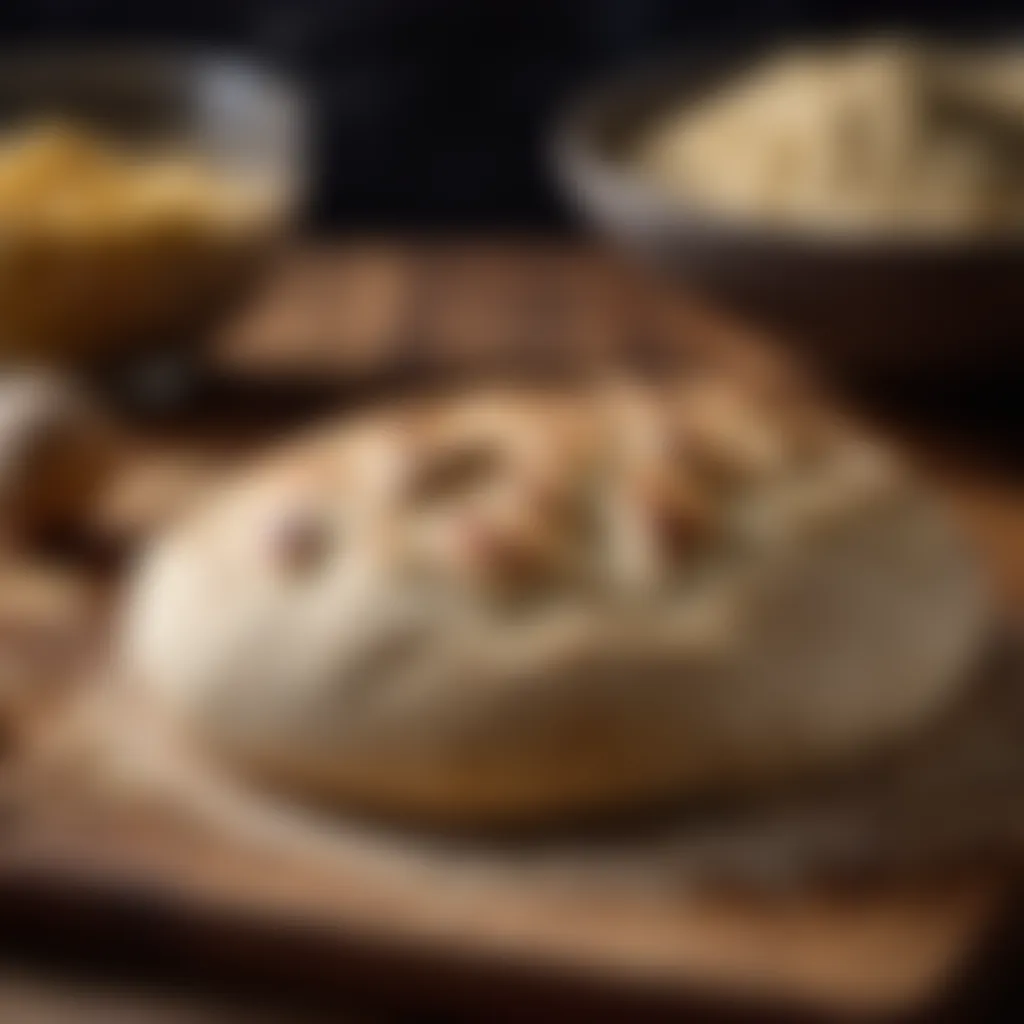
(83, 302)
(867, 304)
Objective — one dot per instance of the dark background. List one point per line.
(433, 112)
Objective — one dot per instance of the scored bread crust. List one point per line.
(511, 607)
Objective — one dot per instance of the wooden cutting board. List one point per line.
(338, 327)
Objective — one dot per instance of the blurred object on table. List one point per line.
(906, 265)
(140, 192)
(57, 451)
(883, 138)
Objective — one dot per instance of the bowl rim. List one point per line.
(578, 151)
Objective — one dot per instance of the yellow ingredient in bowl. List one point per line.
(102, 243)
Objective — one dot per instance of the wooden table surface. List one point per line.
(341, 325)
